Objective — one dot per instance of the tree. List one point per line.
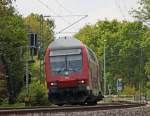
(44, 28)
(123, 42)
(13, 34)
(143, 11)
(143, 14)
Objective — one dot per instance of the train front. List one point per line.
(66, 67)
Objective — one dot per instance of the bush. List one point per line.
(148, 95)
(38, 94)
(148, 85)
(129, 90)
(148, 91)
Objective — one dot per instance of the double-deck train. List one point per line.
(72, 73)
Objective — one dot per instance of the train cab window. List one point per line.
(92, 55)
(57, 64)
(61, 62)
(74, 63)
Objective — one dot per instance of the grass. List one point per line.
(16, 105)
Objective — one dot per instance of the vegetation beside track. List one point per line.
(14, 31)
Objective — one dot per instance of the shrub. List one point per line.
(148, 91)
(129, 90)
(37, 92)
(148, 95)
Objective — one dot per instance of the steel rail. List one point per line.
(108, 106)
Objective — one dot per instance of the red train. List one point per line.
(72, 73)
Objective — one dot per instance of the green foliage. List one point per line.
(16, 105)
(148, 85)
(142, 13)
(44, 28)
(38, 93)
(148, 90)
(129, 90)
(13, 34)
(34, 69)
(148, 94)
(123, 43)
(147, 67)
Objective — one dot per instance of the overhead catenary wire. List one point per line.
(51, 10)
(45, 5)
(125, 6)
(83, 17)
(62, 6)
(70, 15)
(64, 15)
(120, 10)
(69, 32)
(61, 16)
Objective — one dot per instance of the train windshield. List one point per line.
(66, 62)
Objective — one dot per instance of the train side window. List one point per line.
(92, 55)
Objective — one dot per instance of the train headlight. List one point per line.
(53, 83)
(81, 81)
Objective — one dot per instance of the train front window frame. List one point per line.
(65, 52)
(68, 62)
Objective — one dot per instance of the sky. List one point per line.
(95, 9)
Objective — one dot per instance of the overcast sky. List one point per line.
(95, 9)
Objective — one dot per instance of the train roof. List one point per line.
(65, 42)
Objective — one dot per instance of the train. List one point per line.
(72, 73)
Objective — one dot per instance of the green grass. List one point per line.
(16, 105)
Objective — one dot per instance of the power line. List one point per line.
(119, 8)
(62, 6)
(125, 6)
(64, 16)
(54, 12)
(77, 21)
(83, 17)
(45, 5)
(68, 32)
(61, 16)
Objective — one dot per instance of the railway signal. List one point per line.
(33, 43)
(33, 39)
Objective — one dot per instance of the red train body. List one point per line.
(72, 73)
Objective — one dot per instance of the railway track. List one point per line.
(38, 110)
